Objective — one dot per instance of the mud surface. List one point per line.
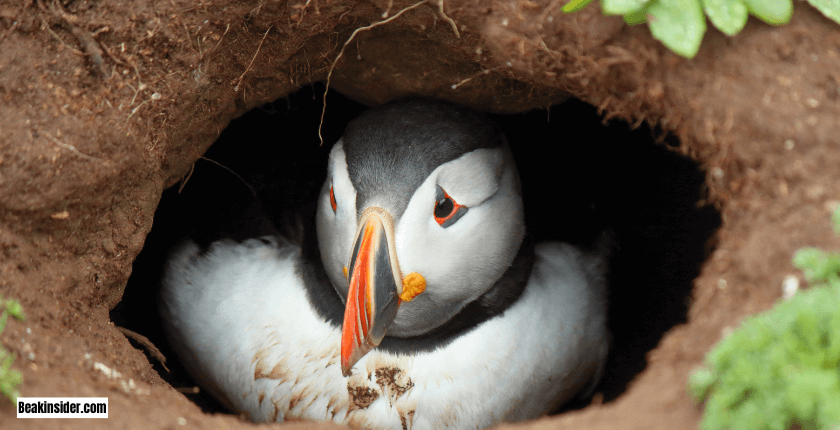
(104, 105)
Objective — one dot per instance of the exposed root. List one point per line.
(239, 81)
(188, 390)
(134, 111)
(46, 25)
(116, 59)
(483, 72)
(184, 183)
(70, 147)
(186, 179)
(143, 340)
(451, 21)
(220, 41)
(90, 47)
(341, 53)
(9, 30)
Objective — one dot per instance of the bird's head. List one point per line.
(420, 214)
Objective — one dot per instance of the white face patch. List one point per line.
(465, 259)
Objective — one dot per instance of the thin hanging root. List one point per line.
(70, 147)
(239, 81)
(483, 72)
(192, 169)
(143, 340)
(340, 53)
(186, 179)
(195, 390)
(254, 193)
(446, 17)
(220, 41)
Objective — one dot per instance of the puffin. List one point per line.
(424, 304)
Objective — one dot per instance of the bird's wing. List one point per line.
(234, 312)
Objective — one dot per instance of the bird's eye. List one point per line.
(332, 199)
(447, 210)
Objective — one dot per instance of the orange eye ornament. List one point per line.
(447, 210)
(332, 199)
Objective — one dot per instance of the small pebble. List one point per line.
(789, 144)
(790, 285)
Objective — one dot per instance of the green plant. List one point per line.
(680, 24)
(10, 379)
(780, 368)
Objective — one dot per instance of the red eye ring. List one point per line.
(447, 210)
(332, 199)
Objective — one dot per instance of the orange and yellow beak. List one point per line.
(376, 286)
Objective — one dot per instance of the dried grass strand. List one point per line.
(341, 53)
(239, 81)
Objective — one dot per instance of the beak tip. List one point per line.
(351, 357)
(346, 367)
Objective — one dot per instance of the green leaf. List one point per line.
(9, 383)
(679, 24)
(835, 217)
(14, 309)
(729, 16)
(623, 7)
(809, 261)
(575, 5)
(775, 12)
(10, 378)
(700, 382)
(639, 17)
(831, 9)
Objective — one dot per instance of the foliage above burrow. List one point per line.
(681, 24)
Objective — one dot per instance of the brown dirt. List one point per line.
(105, 104)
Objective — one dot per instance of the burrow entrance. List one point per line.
(604, 176)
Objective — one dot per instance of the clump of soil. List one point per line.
(105, 105)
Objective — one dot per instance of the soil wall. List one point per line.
(104, 104)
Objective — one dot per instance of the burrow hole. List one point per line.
(602, 176)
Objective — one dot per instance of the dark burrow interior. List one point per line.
(579, 177)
